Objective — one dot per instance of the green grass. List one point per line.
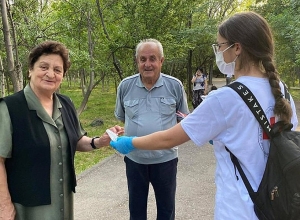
(295, 94)
(100, 105)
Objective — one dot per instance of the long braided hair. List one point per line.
(255, 36)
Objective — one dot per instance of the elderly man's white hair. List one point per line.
(151, 40)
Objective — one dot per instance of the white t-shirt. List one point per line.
(224, 118)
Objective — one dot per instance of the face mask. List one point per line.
(225, 68)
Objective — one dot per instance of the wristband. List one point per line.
(92, 142)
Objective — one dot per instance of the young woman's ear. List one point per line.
(238, 49)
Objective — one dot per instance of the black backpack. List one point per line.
(278, 195)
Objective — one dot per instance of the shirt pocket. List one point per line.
(167, 106)
(131, 108)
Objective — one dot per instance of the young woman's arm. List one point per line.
(162, 139)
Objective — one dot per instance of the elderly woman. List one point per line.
(39, 134)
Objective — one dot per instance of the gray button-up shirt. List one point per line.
(146, 111)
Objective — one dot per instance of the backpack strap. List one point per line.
(259, 114)
(261, 117)
(253, 105)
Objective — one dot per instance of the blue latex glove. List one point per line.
(123, 144)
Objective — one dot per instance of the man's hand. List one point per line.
(180, 114)
(117, 129)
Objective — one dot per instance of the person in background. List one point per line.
(40, 132)
(245, 46)
(212, 88)
(199, 81)
(147, 102)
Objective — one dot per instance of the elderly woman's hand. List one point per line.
(105, 138)
(7, 209)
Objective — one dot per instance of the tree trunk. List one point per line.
(18, 65)
(91, 85)
(17, 86)
(189, 75)
(189, 65)
(116, 62)
(2, 79)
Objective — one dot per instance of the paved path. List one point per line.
(102, 190)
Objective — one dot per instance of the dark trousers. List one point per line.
(197, 97)
(162, 176)
(228, 79)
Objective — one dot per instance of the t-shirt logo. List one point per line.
(272, 122)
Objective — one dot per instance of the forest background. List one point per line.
(102, 34)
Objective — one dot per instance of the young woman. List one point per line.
(199, 81)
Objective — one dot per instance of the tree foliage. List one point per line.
(102, 34)
(284, 18)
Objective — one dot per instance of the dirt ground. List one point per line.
(297, 103)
